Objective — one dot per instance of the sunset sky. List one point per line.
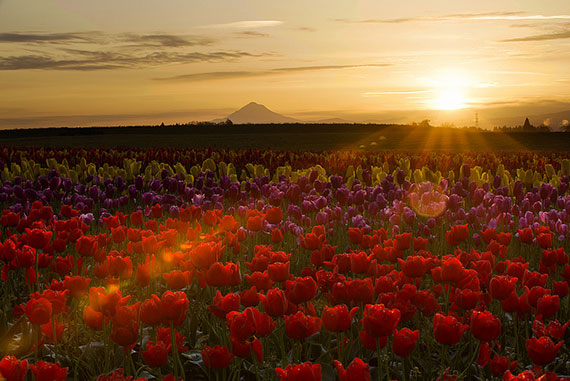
(109, 62)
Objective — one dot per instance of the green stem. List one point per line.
(255, 364)
(444, 349)
(339, 341)
(387, 360)
(105, 349)
(132, 363)
(54, 334)
(174, 350)
(37, 329)
(378, 356)
(472, 361)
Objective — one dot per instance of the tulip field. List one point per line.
(187, 264)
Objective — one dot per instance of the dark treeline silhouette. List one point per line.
(202, 128)
(526, 127)
(226, 127)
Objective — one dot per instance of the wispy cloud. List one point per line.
(490, 16)
(52, 38)
(250, 34)
(165, 40)
(216, 75)
(306, 29)
(98, 38)
(89, 51)
(542, 37)
(86, 60)
(244, 24)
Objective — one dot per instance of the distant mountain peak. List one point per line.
(254, 112)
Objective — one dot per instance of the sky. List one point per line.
(110, 62)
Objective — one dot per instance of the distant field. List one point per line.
(290, 137)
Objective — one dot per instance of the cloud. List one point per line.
(490, 16)
(88, 51)
(250, 34)
(86, 60)
(98, 38)
(166, 40)
(541, 37)
(306, 29)
(216, 75)
(244, 24)
(37, 38)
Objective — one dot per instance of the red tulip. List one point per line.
(261, 321)
(301, 372)
(405, 341)
(38, 311)
(542, 351)
(420, 243)
(301, 326)
(485, 326)
(484, 354)
(240, 326)
(548, 305)
(77, 285)
(356, 370)
(107, 302)
(447, 330)
(414, 266)
(249, 297)
(276, 235)
(45, 371)
(274, 302)
(164, 335)
(156, 355)
(205, 254)
(92, 318)
(301, 290)
(217, 357)
(312, 241)
(12, 369)
(274, 215)
(222, 305)
(402, 241)
(260, 280)
(174, 306)
(219, 275)
(338, 318)
(560, 288)
(359, 263)
(278, 271)
(47, 331)
(246, 348)
(544, 240)
(177, 279)
(38, 238)
(125, 325)
(151, 311)
(379, 320)
(502, 286)
(137, 218)
(457, 234)
(452, 270)
(499, 365)
(466, 299)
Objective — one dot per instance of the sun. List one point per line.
(450, 89)
(450, 98)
